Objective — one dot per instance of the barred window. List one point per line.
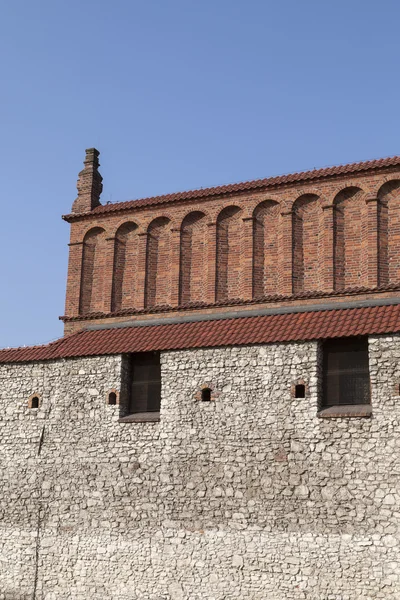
(345, 372)
(145, 394)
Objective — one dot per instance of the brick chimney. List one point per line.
(89, 184)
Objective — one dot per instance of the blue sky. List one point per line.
(176, 95)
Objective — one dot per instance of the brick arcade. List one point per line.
(330, 233)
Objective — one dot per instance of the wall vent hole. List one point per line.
(34, 403)
(206, 395)
(300, 391)
(112, 398)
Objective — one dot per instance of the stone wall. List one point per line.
(250, 496)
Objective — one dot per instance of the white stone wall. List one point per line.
(250, 496)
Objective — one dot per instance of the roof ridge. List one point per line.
(358, 164)
(16, 348)
(271, 181)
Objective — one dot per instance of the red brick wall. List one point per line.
(265, 248)
(92, 277)
(158, 263)
(229, 251)
(193, 259)
(307, 234)
(124, 271)
(350, 240)
(340, 234)
(389, 232)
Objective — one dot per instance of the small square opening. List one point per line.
(112, 399)
(34, 403)
(300, 390)
(206, 395)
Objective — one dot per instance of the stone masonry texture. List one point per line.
(250, 496)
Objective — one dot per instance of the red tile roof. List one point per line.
(266, 329)
(256, 185)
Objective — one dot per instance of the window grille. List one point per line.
(145, 383)
(345, 372)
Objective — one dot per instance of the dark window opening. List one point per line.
(345, 372)
(112, 398)
(34, 402)
(206, 395)
(300, 391)
(145, 393)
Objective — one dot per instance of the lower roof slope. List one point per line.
(289, 327)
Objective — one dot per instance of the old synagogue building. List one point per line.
(221, 420)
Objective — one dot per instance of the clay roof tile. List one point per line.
(288, 327)
(255, 185)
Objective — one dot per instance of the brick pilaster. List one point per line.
(372, 242)
(212, 260)
(285, 258)
(141, 271)
(327, 257)
(108, 273)
(175, 266)
(247, 259)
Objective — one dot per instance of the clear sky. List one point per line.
(176, 94)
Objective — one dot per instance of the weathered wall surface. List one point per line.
(251, 496)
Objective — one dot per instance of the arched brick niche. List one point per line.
(207, 393)
(350, 239)
(307, 228)
(229, 252)
(388, 233)
(125, 267)
(193, 259)
(265, 248)
(93, 269)
(158, 263)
